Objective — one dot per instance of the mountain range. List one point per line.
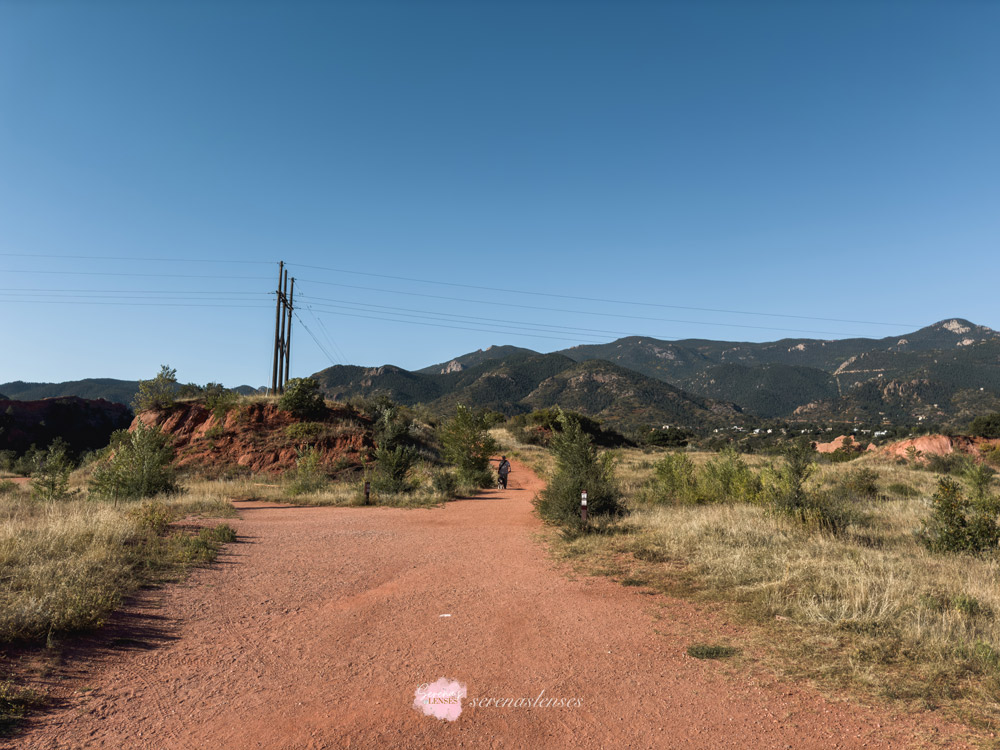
(944, 373)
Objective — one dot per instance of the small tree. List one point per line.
(50, 474)
(303, 398)
(136, 465)
(468, 445)
(986, 425)
(158, 393)
(957, 524)
(578, 468)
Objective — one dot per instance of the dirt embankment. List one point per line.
(260, 437)
(939, 445)
(846, 443)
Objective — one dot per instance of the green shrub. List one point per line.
(303, 399)
(308, 475)
(673, 480)
(135, 465)
(578, 468)
(8, 459)
(391, 469)
(468, 445)
(445, 483)
(50, 475)
(860, 483)
(986, 426)
(220, 399)
(980, 479)
(951, 463)
(957, 524)
(304, 432)
(7, 487)
(728, 478)
(158, 393)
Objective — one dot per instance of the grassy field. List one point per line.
(66, 565)
(867, 608)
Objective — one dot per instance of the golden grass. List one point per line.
(65, 565)
(869, 609)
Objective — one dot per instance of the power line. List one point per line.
(599, 299)
(511, 325)
(576, 312)
(216, 277)
(436, 282)
(127, 304)
(134, 291)
(313, 337)
(441, 325)
(116, 257)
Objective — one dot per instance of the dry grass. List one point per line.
(66, 565)
(868, 609)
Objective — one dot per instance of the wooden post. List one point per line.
(281, 346)
(288, 332)
(583, 506)
(277, 329)
(368, 492)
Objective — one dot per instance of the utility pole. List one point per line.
(277, 329)
(288, 333)
(283, 293)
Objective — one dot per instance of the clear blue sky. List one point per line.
(826, 160)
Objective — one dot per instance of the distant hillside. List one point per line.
(531, 381)
(475, 358)
(110, 389)
(117, 391)
(781, 378)
(771, 390)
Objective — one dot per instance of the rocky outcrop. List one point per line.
(845, 443)
(259, 438)
(938, 445)
(85, 424)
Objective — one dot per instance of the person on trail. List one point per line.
(502, 471)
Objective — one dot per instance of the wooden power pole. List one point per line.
(288, 331)
(283, 293)
(277, 330)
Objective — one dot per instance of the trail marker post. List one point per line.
(368, 491)
(583, 505)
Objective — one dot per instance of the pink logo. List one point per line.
(441, 699)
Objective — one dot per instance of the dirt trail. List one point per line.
(315, 631)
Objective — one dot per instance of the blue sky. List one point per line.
(807, 160)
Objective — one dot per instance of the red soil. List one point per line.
(318, 626)
(254, 437)
(939, 445)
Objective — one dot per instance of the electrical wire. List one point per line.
(595, 299)
(313, 337)
(573, 312)
(115, 257)
(441, 325)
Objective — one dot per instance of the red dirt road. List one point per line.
(317, 628)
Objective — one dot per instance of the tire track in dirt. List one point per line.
(315, 630)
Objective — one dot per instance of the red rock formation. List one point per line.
(255, 436)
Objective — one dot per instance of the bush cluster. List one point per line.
(303, 399)
(135, 465)
(959, 523)
(467, 445)
(579, 467)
